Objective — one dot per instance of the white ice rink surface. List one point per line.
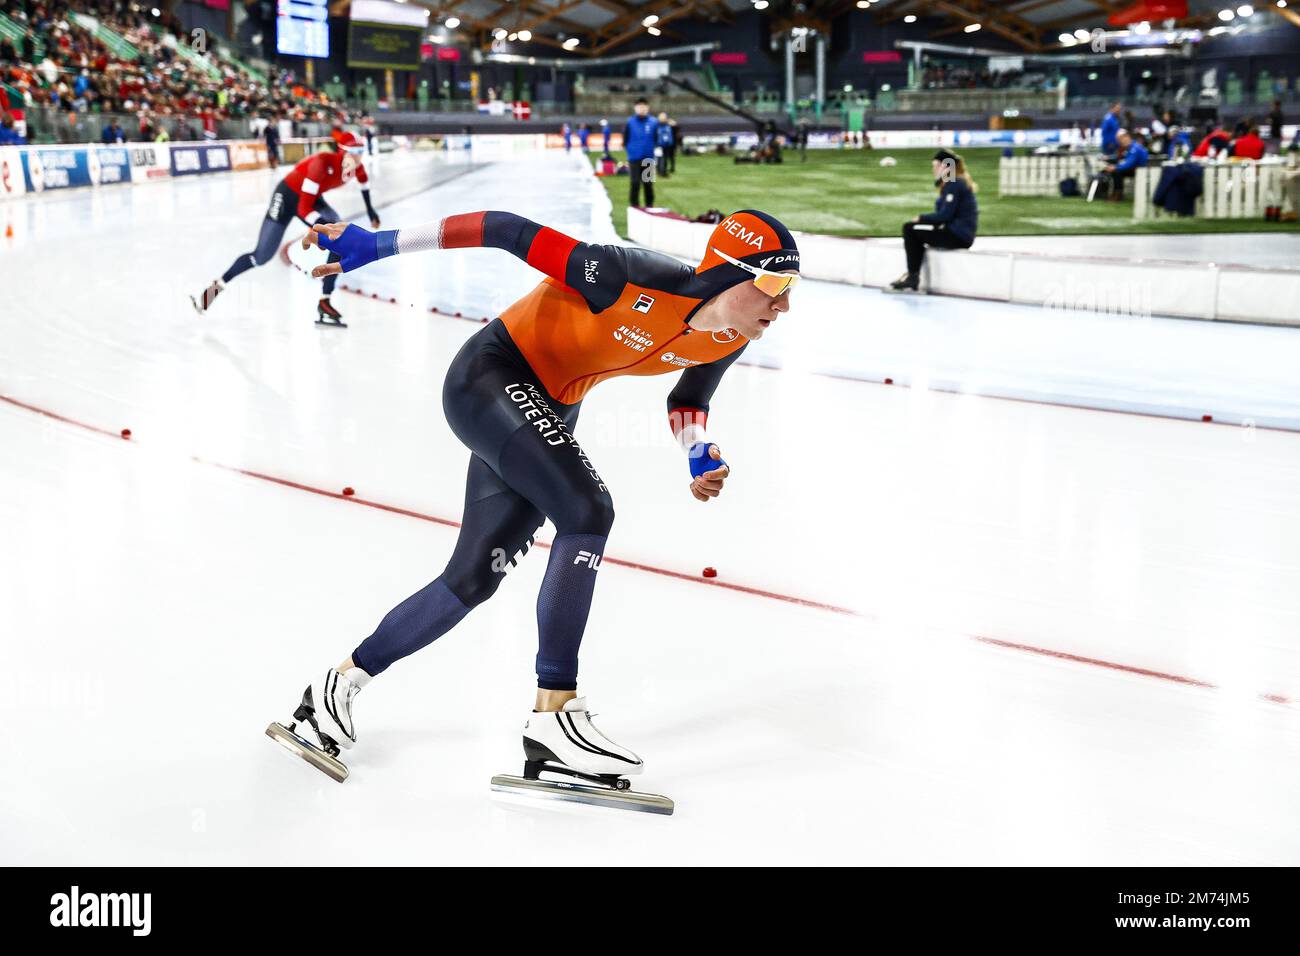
(1054, 635)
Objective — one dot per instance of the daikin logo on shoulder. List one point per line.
(103, 909)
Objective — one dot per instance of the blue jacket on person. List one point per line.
(664, 135)
(1109, 133)
(957, 209)
(11, 137)
(1135, 156)
(639, 137)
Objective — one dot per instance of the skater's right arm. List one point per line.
(597, 273)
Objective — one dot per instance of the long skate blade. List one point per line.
(581, 793)
(286, 738)
(325, 324)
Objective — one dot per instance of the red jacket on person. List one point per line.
(1249, 146)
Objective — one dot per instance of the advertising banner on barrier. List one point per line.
(11, 173)
(189, 160)
(56, 168)
(110, 165)
(149, 161)
(247, 155)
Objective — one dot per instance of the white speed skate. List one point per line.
(567, 743)
(322, 722)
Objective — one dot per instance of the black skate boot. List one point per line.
(907, 282)
(326, 314)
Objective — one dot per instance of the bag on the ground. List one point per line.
(1070, 187)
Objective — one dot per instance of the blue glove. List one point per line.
(358, 247)
(700, 462)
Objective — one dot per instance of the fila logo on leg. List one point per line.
(590, 560)
(642, 303)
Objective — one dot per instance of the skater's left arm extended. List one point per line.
(688, 414)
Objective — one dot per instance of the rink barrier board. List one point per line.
(1182, 289)
(28, 170)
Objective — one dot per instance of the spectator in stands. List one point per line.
(663, 144)
(639, 135)
(112, 133)
(1275, 120)
(1110, 131)
(952, 225)
(1249, 146)
(8, 135)
(1135, 157)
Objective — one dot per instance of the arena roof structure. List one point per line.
(592, 28)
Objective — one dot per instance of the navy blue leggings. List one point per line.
(526, 466)
(281, 212)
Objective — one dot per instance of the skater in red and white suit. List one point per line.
(301, 194)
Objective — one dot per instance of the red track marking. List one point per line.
(448, 522)
(652, 569)
(61, 418)
(1115, 666)
(1096, 662)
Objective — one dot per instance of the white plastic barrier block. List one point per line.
(831, 257)
(1259, 295)
(1082, 284)
(971, 274)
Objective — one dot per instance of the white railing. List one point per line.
(1232, 190)
(1040, 175)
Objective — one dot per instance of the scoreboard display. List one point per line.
(302, 28)
(384, 46)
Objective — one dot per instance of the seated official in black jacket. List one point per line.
(952, 225)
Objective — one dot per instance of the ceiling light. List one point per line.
(1067, 39)
(499, 33)
(1226, 15)
(1081, 34)
(453, 23)
(650, 20)
(570, 43)
(1245, 10)
(654, 31)
(972, 28)
(525, 35)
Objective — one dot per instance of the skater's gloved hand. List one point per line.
(354, 246)
(708, 470)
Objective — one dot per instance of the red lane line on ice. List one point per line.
(448, 522)
(61, 418)
(1115, 666)
(652, 569)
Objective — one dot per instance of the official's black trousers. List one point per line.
(641, 172)
(918, 235)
